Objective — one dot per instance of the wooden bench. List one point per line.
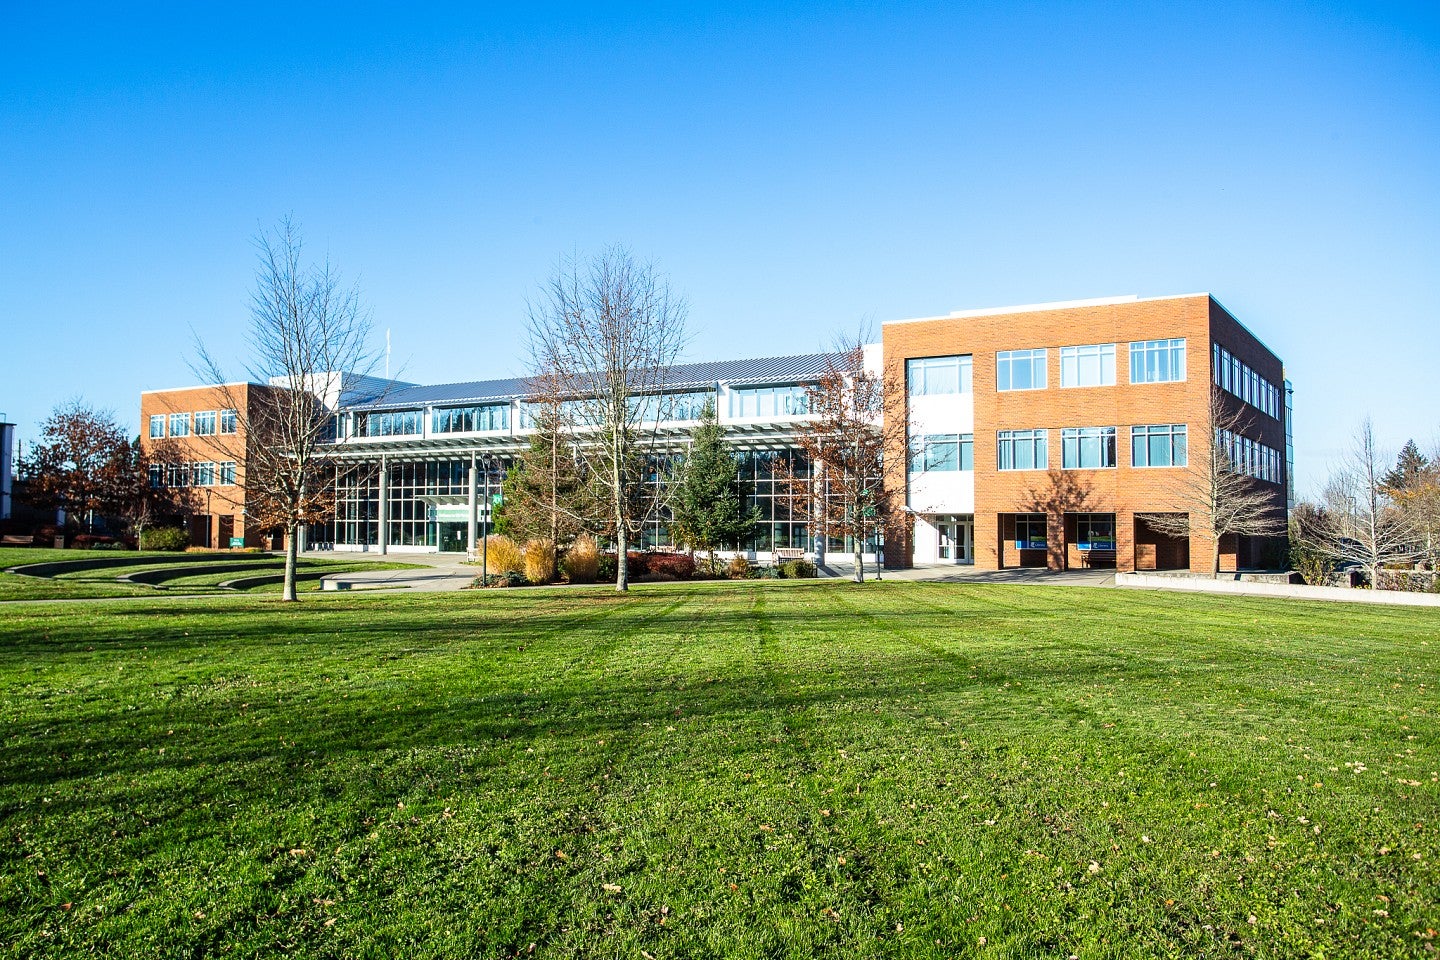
(789, 553)
(1097, 558)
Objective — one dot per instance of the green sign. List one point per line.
(237, 543)
(495, 499)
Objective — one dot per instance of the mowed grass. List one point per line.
(750, 769)
(93, 574)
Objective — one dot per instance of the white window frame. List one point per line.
(1006, 361)
(1038, 441)
(1072, 365)
(157, 420)
(1140, 350)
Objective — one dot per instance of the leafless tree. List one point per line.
(846, 491)
(605, 332)
(307, 331)
(1214, 497)
(1359, 521)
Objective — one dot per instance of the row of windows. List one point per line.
(494, 416)
(782, 401)
(1091, 365)
(1093, 531)
(206, 423)
(1081, 448)
(1235, 377)
(203, 474)
(1251, 457)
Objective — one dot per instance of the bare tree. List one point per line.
(845, 492)
(1359, 521)
(1214, 496)
(307, 331)
(605, 333)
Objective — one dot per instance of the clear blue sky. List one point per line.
(794, 169)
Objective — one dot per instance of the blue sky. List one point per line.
(795, 169)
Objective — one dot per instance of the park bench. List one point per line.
(1097, 558)
(789, 553)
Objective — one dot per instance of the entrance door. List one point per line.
(956, 540)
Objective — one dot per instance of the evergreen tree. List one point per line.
(543, 494)
(707, 497)
(1410, 469)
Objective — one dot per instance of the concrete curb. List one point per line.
(1294, 591)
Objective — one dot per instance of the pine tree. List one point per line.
(543, 495)
(1410, 468)
(707, 496)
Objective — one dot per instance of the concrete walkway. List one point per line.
(1288, 590)
(435, 572)
(959, 573)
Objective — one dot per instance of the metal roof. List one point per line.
(759, 370)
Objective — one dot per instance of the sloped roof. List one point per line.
(759, 370)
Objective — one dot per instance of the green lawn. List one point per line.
(731, 769)
(91, 574)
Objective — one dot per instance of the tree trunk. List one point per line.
(622, 561)
(292, 543)
(1215, 558)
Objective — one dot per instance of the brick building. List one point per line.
(1036, 436)
(1042, 435)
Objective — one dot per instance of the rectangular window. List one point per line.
(229, 421)
(789, 401)
(945, 451)
(1020, 370)
(204, 474)
(1030, 531)
(205, 423)
(1158, 445)
(1090, 366)
(1087, 448)
(157, 476)
(157, 426)
(1021, 450)
(495, 416)
(179, 424)
(1157, 361)
(225, 473)
(395, 423)
(1095, 531)
(933, 376)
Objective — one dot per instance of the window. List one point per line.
(1087, 448)
(790, 401)
(1095, 531)
(662, 407)
(1157, 361)
(157, 426)
(157, 476)
(225, 473)
(494, 416)
(1092, 366)
(179, 424)
(1030, 531)
(1020, 370)
(932, 376)
(1158, 445)
(229, 420)
(205, 423)
(947, 451)
(203, 474)
(1021, 450)
(396, 423)
(1236, 378)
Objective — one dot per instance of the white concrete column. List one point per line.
(471, 544)
(384, 506)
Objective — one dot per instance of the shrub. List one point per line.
(582, 561)
(509, 578)
(658, 576)
(797, 570)
(637, 563)
(1315, 567)
(95, 541)
(674, 566)
(503, 555)
(738, 568)
(164, 538)
(606, 569)
(540, 561)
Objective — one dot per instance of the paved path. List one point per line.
(434, 572)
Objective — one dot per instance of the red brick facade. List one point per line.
(1060, 494)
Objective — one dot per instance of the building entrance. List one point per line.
(956, 539)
